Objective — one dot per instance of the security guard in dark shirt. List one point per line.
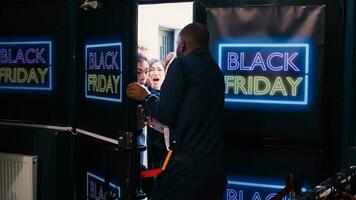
(191, 104)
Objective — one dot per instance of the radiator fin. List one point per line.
(18, 177)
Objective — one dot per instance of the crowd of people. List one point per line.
(151, 73)
(184, 99)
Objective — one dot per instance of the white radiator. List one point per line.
(18, 177)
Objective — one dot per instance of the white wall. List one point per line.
(170, 15)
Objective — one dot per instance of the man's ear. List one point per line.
(182, 47)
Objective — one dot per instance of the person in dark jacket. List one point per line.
(156, 148)
(191, 103)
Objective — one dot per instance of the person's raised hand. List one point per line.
(149, 82)
(169, 59)
(136, 91)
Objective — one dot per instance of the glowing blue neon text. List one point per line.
(103, 60)
(96, 185)
(6, 56)
(236, 62)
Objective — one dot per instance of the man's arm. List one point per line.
(165, 108)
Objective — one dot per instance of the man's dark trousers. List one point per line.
(186, 180)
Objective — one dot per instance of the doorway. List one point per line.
(159, 26)
(158, 29)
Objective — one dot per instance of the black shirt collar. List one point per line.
(199, 50)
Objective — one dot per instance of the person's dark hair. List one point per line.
(154, 60)
(141, 58)
(195, 34)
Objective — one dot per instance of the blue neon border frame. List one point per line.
(50, 57)
(102, 180)
(306, 73)
(86, 72)
(260, 185)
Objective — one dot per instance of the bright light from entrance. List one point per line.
(159, 25)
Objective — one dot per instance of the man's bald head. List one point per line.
(193, 36)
